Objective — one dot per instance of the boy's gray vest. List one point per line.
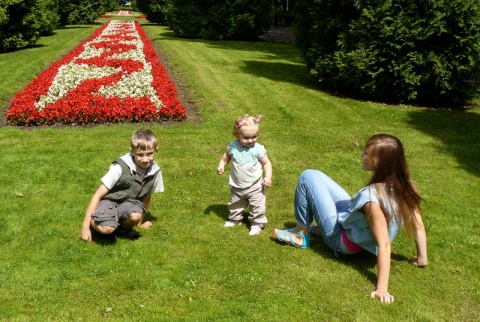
(130, 186)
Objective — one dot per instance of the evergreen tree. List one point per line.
(416, 51)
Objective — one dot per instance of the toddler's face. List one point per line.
(247, 135)
(143, 158)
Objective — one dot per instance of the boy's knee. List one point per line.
(106, 230)
(135, 216)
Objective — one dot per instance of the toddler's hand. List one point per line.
(267, 181)
(220, 170)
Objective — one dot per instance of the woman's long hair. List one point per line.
(392, 172)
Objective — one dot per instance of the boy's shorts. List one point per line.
(111, 213)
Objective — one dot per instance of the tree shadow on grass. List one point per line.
(459, 131)
(364, 262)
(280, 72)
(82, 26)
(291, 69)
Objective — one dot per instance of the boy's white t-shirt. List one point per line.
(113, 175)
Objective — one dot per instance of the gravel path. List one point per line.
(281, 33)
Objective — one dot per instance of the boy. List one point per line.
(123, 198)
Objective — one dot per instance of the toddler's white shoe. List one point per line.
(232, 223)
(255, 230)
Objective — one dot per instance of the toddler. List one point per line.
(246, 183)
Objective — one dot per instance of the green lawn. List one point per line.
(188, 267)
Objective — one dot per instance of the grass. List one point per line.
(188, 267)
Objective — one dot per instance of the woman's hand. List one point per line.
(383, 295)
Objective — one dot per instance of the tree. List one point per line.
(19, 23)
(418, 51)
(153, 9)
(74, 12)
(225, 19)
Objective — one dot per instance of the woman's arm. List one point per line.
(420, 242)
(379, 227)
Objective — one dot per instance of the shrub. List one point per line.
(153, 9)
(18, 24)
(47, 16)
(227, 19)
(400, 51)
(73, 12)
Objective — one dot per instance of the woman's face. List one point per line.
(368, 160)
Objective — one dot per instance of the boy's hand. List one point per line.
(220, 170)
(86, 234)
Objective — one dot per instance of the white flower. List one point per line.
(73, 74)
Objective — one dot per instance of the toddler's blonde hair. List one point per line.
(246, 120)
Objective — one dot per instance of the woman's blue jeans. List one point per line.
(318, 197)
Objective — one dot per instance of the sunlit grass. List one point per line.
(188, 267)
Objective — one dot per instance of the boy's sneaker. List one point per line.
(255, 230)
(127, 233)
(232, 223)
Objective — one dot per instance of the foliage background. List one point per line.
(423, 52)
(216, 20)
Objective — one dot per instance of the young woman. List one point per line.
(371, 219)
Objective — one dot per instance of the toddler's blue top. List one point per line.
(246, 168)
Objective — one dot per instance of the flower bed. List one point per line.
(124, 13)
(114, 76)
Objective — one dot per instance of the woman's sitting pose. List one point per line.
(371, 219)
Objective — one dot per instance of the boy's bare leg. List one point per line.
(135, 219)
(106, 230)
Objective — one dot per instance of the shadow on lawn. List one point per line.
(111, 239)
(365, 262)
(290, 70)
(459, 131)
(221, 210)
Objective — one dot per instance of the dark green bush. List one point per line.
(153, 9)
(83, 13)
(226, 19)
(19, 25)
(418, 51)
(48, 18)
(74, 12)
